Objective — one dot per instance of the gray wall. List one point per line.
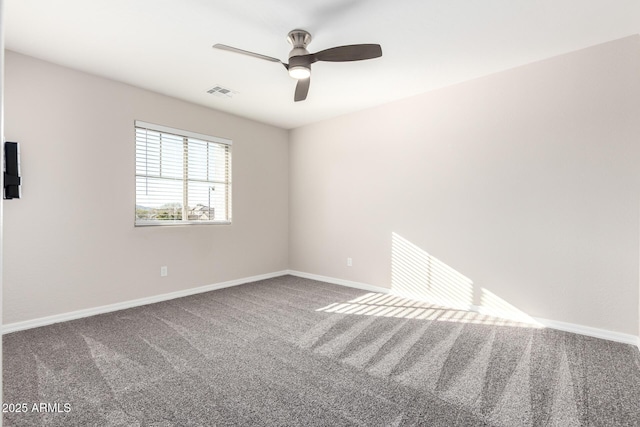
(70, 242)
(517, 191)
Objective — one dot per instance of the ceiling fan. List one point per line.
(300, 59)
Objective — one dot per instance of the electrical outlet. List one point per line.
(163, 271)
(349, 262)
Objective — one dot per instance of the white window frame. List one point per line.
(185, 135)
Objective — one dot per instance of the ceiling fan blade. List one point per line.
(246, 52)
(354, 52)
(302, 88)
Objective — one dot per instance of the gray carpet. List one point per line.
(291, 351)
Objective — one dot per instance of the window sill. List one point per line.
(174, 223)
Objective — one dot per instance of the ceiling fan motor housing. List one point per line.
(299, 64)
(299, 61)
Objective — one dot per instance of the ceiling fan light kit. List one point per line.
(300, 60)
(299, 72)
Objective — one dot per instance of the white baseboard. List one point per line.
(43, 321)
(589, 331)
(553, 324)
(342, 282)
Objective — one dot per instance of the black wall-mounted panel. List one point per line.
(11, 170)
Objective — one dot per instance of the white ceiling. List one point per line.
(165, 45)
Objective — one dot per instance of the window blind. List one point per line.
(181, 177)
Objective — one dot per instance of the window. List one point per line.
(181, 177)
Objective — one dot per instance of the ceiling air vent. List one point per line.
(222, 92)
